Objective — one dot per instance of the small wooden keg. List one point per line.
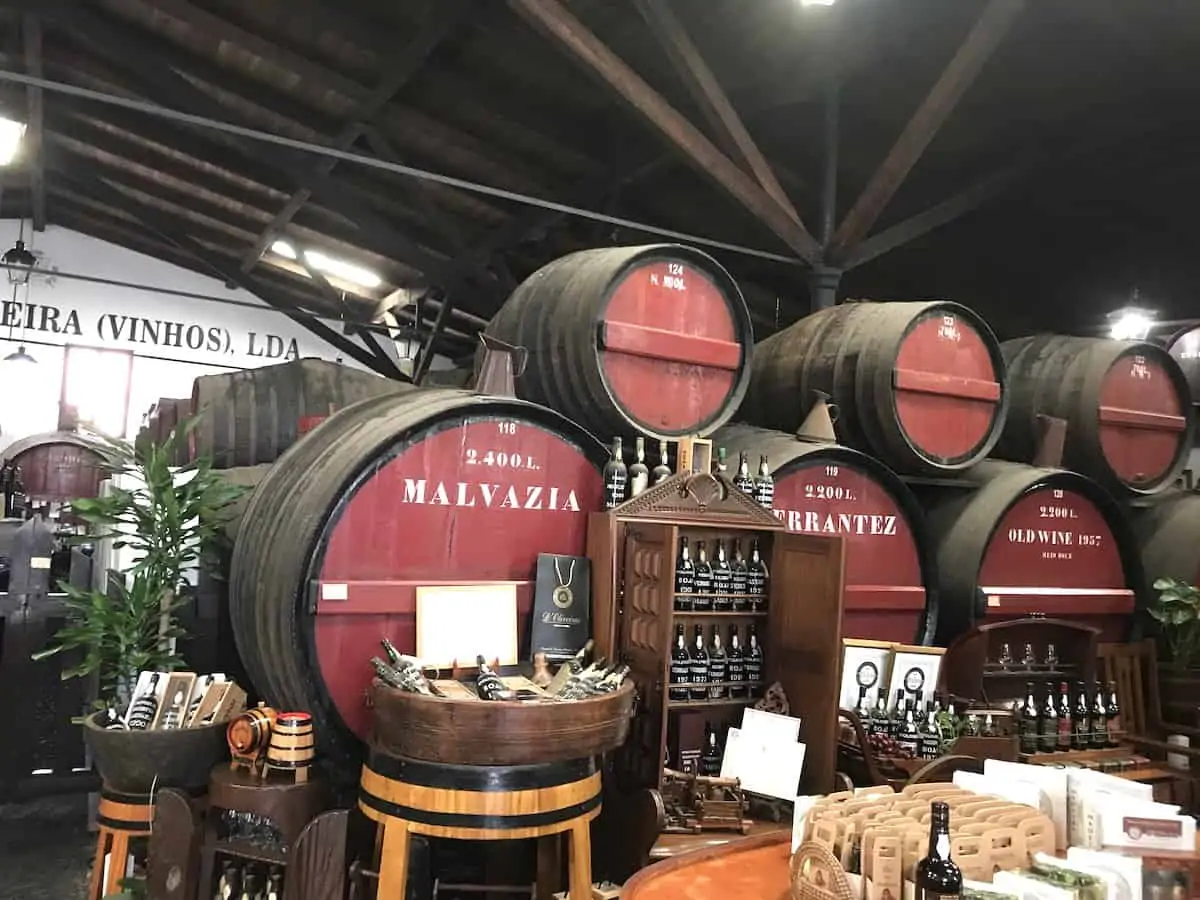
(291, 746)
(249, 735)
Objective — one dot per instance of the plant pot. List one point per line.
(135, 762)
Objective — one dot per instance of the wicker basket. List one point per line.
(817, 874)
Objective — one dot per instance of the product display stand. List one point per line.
(120, 817)
(173, 860)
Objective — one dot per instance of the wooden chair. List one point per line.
(943, 769)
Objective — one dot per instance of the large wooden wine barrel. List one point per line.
(1184, 347)
(1014, 540)
(1167, 529)
(920, 385)
(252, 416)
(166, 414)
(1126, 404)
(824, 488)
(652, 339)
(58, 465)
(430, 487)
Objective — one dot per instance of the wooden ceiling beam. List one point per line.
(32, 39)
(725, 124)
(985, 35)
(399, 69)
(581, 44)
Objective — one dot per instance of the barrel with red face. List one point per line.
(1143, 419)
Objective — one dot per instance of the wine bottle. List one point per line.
(393, 655)
(681, 666)
(738, 577)
(989, 726)
(639, 474)
(879, 716)
(1029, 721)
(685, 578)
(1048, 725)
(1081, 732)
(173, 717)
(720, 466)
(616, 477)
(488, 684)
(938, 877)
(764, 485)
(614, 678)
(710, 756)
(145, 707)
(202, 686)
(575, 663)
(699, 666)
(735, 664)
(223, 890)
(896, 716)
(1065, 717)
(718, 667)
(16, 496)
(754, 662)
(909, 737)
(703, 580)
(275, 884)
(722, 580)
(743, 480)
(930, 739)
(756, 578)
(249, 886)
(863, 707)
(1099, 719)
(1116, 733)
(662, 471)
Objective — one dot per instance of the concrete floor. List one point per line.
(45, 849)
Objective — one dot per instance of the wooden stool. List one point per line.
(479, 803)
(120, 817)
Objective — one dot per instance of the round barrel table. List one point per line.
(479, 803)
(753, 867)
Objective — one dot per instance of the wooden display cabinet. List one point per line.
(633, 550)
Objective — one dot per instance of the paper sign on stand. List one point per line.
(765, 754)
(1050, 781)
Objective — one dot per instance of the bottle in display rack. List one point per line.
(1115, 731)
(754, 662)
(879, 717)
(1029, 659)
(1029, 721)
(722, 580)
(909, 735)
(702, 580)
(681, 666)
(743, 480)
(1099, 719)
(1065, 717)
(931, 738)
(1081, 730)
(639, 473)
(699, 667)
(718, 667)
(1052, 661)
(863, 707)
(764, 485)
(173, 717)
(145, 707)
(937, 874)
(735, 664)
(662, 471)
(488, 684)
(685, 577)
(1048, 727)
(738, 576)
(756, 578)
(896, 718)
(720, 467)
(275, 885)
(616, 477)
(710, 756)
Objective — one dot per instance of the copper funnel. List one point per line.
(498, 373)
(818, 424)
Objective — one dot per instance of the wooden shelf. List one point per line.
(700, 704)
(704, 614)
(244, 849)
(1072, 673)
(750, 597)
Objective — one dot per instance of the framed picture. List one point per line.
(914, 673)
(866, 665)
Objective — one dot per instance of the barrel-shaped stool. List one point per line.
(479, 803)
(120, 817)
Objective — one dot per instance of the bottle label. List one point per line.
(736, 670)
(639, 483)
(737, 580)
(698, 671)
(1064, 731)
(685, 581)
(930, 744)
(756, 581)
(1048, 733)
(753, 669)
(681, 670)
(764, 493)
(722, 581)
(702, 581)
(1029, 736)
(925, 894)
(717, 673)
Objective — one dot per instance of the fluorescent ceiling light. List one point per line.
(817, 2)
(1131, 325)
(11, 133)
(328, 265)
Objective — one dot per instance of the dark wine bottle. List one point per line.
(718, 667)
(710, 756)
(743, 480)
(685, 577)
(1081, 730)
(681, 666)
(616, 477)
(699, 664)
(1065, 717)
(662, 471)
(488, 684)
(1029, 721)
(938, 877)
(739, 576)
(145, 707)
(879, 716)
(1048, 724)
(735, 662)
(722, 580)
(1099, 719)
(863, 707)
(1116, 732)
(754, 662)
(931, 739)
(639, 473)
(896, 715)
(909, 736)
(703, 580)
(756, 578)
(764, 485)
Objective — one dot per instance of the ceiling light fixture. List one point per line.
(1131, 324)
(20, 356)
(328, 265)
(18, 260)
(11, 132)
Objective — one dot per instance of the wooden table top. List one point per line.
(754, 867)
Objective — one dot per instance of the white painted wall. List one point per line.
(174, 338)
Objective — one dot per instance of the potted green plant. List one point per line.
(1177, 611)
(170, 520)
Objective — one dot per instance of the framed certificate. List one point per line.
(914, 672)
(866, 665)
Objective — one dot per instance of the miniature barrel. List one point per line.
(1184, 347)
(1166, 529)
(825, 488)
(920, 385)
(292, 743)
(652, 339)
(381, 499)
(1126, 404)
(250, 732)
(58, 465)
(1014, 540)
(252, 416)
(480, 802)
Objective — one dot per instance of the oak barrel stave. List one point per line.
(1166, 530)
(252, 416)
(1184, 347)
(611, 347)
(1126, 403)
(372, 453)
(920, 385)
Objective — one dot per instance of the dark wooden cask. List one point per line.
(919, 385)
(58, 465)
